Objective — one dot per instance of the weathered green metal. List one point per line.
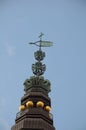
(38, 68)
(41, 43)
(39, 55)
(46, 44)
(36, 82)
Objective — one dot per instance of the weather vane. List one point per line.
(38, 68)
(41, 43)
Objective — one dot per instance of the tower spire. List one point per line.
(35, 105)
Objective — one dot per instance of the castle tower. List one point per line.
(35, 106)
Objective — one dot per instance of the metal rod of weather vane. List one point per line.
(41, 34)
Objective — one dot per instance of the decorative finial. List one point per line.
(38, 68)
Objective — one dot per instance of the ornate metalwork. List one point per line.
(35, 81)
(41, 43)
(39, 55)
(38, 68)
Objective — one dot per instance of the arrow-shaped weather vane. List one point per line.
(41, 43)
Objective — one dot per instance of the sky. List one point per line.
(64, 23)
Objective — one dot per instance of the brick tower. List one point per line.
(36, 104)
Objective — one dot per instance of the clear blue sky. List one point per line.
(64, 23)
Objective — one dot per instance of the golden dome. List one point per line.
(29, 104)
(48, 108)
(39, 104)
(22, 107)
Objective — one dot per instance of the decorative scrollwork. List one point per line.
(39, 55)
(38, 68)
(37, 82)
